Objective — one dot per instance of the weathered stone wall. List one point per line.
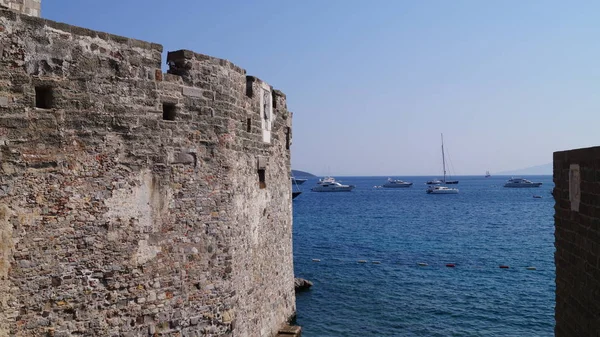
(28, 7)
(134, 202)
(577, 240)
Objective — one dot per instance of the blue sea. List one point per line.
(477, 230)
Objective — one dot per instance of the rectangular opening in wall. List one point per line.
(249, 125)
(287, 138)
(261, 178)
(274, 98)
(44, 98)
(169, 111)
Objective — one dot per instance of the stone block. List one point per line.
(3, 101)
(191, 92)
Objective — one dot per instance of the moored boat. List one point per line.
(329, 184)
(395, 183)
(520, 182)
(298, 181)
(441, 190)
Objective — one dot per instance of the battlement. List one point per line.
(164, 197)
(27, 7)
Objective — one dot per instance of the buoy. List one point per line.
(316, 260)
(362, 261)
(531, 268)
(376, 262)
(423, 264)
(503, 266)
(450, 265)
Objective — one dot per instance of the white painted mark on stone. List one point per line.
(574, 186)
(266, 112)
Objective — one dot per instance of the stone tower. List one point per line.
(135, 202)
(28, 7)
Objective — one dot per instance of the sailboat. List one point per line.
(487, 174)
(443, 189)
(444, 164)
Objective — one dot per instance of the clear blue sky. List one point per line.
(372, 84)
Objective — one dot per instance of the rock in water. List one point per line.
(302, 284)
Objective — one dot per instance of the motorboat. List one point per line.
(395, 183)
(520, 182)
(435, 182)
(298, 181)
(329, 184)
(441, 190)
(448, 182)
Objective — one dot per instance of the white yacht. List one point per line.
(394, 183)
(329, 184)
(441, 190)
(520, 182)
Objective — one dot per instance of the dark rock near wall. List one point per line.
(301, 284)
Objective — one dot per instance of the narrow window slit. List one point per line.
(169, 111)
(44, 98)
(287, 138)
(261, 178)
(249, 125)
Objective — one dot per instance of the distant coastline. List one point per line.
(545, 169)
(298, 173)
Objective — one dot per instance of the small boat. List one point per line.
(329, 184)
(435, 182)
(537, 196)
(395, 183)
(449, 182)
(295, 194)
(520, 182)
(487, 174)
(298, 181)
(441, 190)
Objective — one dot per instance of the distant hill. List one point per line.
(297, 173)
(545, 169)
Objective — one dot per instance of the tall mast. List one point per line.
(443, 158)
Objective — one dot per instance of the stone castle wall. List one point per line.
(135, 202)
(28, 7)
(577, 241)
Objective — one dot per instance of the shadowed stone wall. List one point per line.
(135, 202)
(577, 257)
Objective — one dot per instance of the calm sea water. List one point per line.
(483, 227)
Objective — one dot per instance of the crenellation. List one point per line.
(131, 198)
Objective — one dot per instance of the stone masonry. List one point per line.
(135, 202)
(577, 240)
(28, 7)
